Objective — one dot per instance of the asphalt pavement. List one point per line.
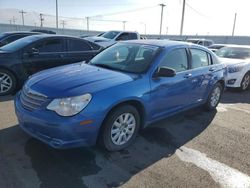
(193, 149)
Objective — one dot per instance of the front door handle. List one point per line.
(212, 69)
(187, 75)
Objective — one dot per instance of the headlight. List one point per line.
(235, 68)
(69, 106)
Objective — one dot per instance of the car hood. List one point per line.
(97, 39)
(75, 79)
(229, 61)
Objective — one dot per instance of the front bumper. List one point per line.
(234, 79)
(56, 131)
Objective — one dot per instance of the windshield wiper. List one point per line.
(104, 66)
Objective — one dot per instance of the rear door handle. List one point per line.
(187, 75)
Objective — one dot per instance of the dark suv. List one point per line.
(26, 56)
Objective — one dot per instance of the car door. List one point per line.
(201, 75)
(170, 94)
(78, 50)
(44, 54)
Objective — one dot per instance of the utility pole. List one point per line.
(56, 14)
(162, 6)
(22, 12)
(124, 25)
(87, 18)
(41, 20)
(235, 18)
(10, 21)
(14, 20)
(63, 23)
(183, 16)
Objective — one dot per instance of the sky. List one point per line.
(202, 17)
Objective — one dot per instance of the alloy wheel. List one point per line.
(123, 128)
(215, 97)
(246, 81)
(5, 83)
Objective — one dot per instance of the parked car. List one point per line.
(44, 31)
(215, 47)
(203, 42)
(111, 37)
(123, 89)
(26, 56)
(8, 37)
(237, 59)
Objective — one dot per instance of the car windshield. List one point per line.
(18, 44)
(3, 35)
(126, 57)
(234, 52)
(110, 34)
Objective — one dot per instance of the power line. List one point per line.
(196, 11)
(123, 12)
(22, 12)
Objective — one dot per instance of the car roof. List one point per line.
(237, 46)
(163, 43)
(51, 36)
(21, 32)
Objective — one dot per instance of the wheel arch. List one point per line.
(133, 102)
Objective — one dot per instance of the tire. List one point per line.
(8, 82)
(119, 127)
(245, 83)
(214, 97)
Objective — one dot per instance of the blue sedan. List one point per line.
(121, 90)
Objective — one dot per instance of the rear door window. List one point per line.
(199, 58)
(75, 45)
(177, 60)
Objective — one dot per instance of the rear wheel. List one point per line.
(120, 128)
(214, 97)
(7, 82)
(245, 82)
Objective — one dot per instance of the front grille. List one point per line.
(31, 100)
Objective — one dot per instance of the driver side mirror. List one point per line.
(31, 52)
(165, 72)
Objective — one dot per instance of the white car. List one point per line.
(111, 37)
(237, 60)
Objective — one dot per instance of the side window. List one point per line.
(94, 46)
(53, 45)
(177, 60)
(132, 36)
(12, 38)
(199, 58)
(77, 45)
(123, 36)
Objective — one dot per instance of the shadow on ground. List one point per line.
(236, 96)
(93, 167)
(6, 98)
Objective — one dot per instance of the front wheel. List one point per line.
(120, 128)
(245, 82)
(214, 97)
